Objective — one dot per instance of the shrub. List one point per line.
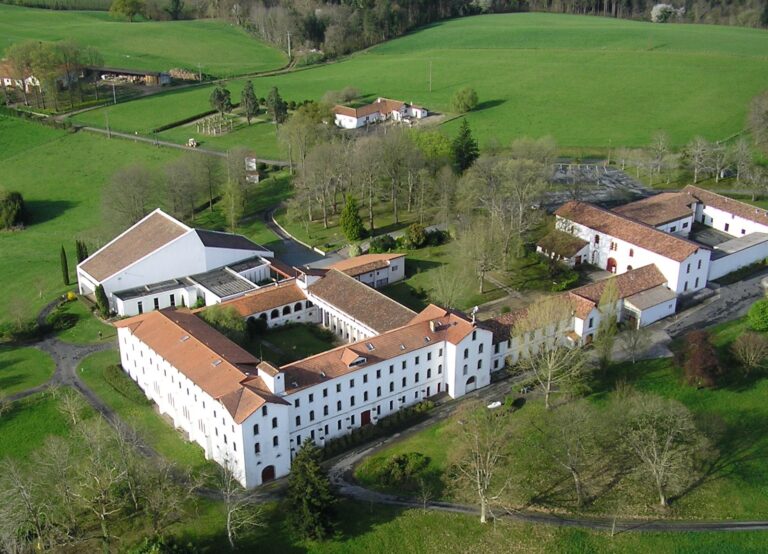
(464, 100)
(381, 244)
(758, 315)
(751, 350)
(11, 209)
(101, 301)
(354, 250)
(415, 236)
(565, 280)
(661, 13)
(118, 380)
(402, 470)
(436, 237)
(256, 326)
(226, 320)
(702, 367)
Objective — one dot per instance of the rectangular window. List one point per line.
(378, 374)
(325, 393)
(365, 396)
(416, 378)
(298, 421)
(727, 226)
(685, 225)
(338, 405)
(256, 429)
(173, 300)
(685, 286)
(256, 448)
(591, 321)
(429, 356)
(440, 352)
(263, 411)
(157, 303)
(275, 441)
(672, 229)
(392, 387)
(697, 283)
(352, 419)
(140, 306)
(417, 360)
(338, 425)
(297, 403)
(404, 380)
(352, 401)
(378, 392)
(365, 378)
(391, 369)
(325, 410)
(688, 268)
(311, 415)
(311, 397)
(338, 387)
(403, 365)
(698, 266)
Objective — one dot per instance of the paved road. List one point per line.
(293, 252)
(156, 142)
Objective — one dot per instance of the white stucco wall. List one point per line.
(731, 224)
(742, 258)
(681, 227)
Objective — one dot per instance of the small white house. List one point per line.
(375, 270)
(380, 110)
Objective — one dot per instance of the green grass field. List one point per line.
(22, 368)
(85, 327)
(158, 433)
(60, 176)
(221, 49)
(586, 81)
(735, 491)
(25, 426)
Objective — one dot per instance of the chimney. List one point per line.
(433, 325)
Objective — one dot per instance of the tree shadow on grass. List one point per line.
(488, 104)
(42, 211)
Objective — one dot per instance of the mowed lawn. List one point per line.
(220, 48)
(586, 81)
(61, 176)
(23, 367)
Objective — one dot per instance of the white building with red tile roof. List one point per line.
(376, 270)
(380, 110)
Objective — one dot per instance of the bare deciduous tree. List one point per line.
(635, 341)
(480, 458)
(240, 511)
(446, 287)
(757, 120)
(208, 170)
(555, 369)
(128, 196)
(165, 494)
(661, 434)
(696, 155)
(751, 349)
(480, 247)
(607, 329)
(71, 405)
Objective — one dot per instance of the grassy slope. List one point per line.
(60, 176)
(86, 327)
(736, 491)
(159, 434)
(221, 49)
(587, 81)
(22, 368)
(24, 427)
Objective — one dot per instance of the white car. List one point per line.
(494, 405)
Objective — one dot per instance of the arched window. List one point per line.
(275, 314)
(297, 307)
(466, 353)
(309, 304)
(629, 268)
(631, 252)
(287, 310)
(263, 316)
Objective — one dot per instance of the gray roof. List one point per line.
(250, 263)
(737, 244)
(222, 283)
(152, 288)
(218, 239)
(651, 297)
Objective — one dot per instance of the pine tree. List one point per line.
(276, 106)
(249, 101)
(310, 497)
(101, 301)
(64, 266)
(464, 148)
(81, 251)
(350, 221)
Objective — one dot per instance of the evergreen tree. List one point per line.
(464, 148)
(101, 301)
(221, 100)
(350, 221)
(249, 101)
(64, 266)
(310, 497)
(81, 251)
(276, 106)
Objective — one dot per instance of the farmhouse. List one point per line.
(380, 110)
(160, 262)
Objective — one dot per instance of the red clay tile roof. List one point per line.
(629, 230)
(320, 368)
(216, 364)
(659, 209)
(149, 234)
(365, 263)
(632, 282)
(358, 300)
(729, 205)
(501, 326)
(561, 243)
(267, 298)
(384, 106)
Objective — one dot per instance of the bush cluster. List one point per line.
(118, 380)
(565, 280)
(385, 426)
(401, 471)
(11, 209)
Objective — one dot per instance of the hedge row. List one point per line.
(386, 426)
(118, 380)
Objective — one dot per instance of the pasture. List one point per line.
(61, 176)
(586, 81)
(219, 48)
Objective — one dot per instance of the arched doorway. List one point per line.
(268, 474)
(471, 384)
(611, 265)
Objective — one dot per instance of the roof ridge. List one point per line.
(373, 290)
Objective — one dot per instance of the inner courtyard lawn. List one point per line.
(150, 45)
(586, 81)
(736, 411)
(22, 368)
(286, 344)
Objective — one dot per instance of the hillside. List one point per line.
(587, 81)
(221, 49)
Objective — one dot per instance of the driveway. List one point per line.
(293, 252)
